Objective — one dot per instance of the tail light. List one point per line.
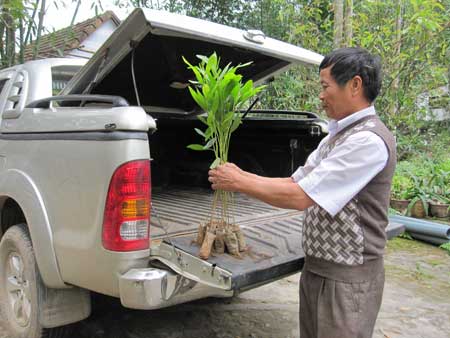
(126, 222)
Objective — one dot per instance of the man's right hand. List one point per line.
(226, 177)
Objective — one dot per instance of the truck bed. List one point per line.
(273, 235)
(178, 211)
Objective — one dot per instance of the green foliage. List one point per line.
(408, 183)
(446, 247)
(401, 186)
(22, 25)
(392, 211)
(426, 141)
(439, 184)
(311, 27)
(405, 235)
(422, 179)
(412, 65)
(414, 61)
(287, 91)
(418, 192)
(220, 92)
(12, 15)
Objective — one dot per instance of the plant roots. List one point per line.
(219, 238)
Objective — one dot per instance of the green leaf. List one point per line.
(196, 71)
(200, 132)
(208, 134)
(224, 71)
(198, 97)
(215, 164)
(202, 119)
(203, 58)
(187, 62)
(215, 105)
(236, 123)
(212, 63)
(209, 144)
(235, 94)
(219, 92)
(197, 147)
(229, 116)
(244, 65)
(205, 90)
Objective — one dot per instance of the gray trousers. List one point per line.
(334, 309)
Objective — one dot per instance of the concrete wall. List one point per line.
(434, 112)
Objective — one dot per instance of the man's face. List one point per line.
(335, 99)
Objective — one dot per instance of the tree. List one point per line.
(348, 22)
(39, 28)
(21, 22)
(17, 29)
(338, 22)
(343, 30)
(397, 49)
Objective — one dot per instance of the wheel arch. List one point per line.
(10, 214)
(21, 201)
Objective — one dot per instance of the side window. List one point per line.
(3, 88)
(2, 85)
(61, 75)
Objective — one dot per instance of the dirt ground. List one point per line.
(416, 304)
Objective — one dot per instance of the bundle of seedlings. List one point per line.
(221, 93)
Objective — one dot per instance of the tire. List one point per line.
(21, 288)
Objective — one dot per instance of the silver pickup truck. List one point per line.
(82, 212)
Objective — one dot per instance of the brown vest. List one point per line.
(350, 245)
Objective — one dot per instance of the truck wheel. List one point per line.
(21, 287)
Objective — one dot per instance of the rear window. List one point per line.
(61, 75)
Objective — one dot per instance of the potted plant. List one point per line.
(440, 206)
(419, 197)
(401, 184)
(440, 190)
(221, 93)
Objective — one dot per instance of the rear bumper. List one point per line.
(151, 288)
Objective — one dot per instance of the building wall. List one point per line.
(435, 112)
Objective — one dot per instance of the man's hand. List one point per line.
(226, 177)
(277, 191)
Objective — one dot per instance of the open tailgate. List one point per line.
(272, 234)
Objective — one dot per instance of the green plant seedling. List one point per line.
(220, 93)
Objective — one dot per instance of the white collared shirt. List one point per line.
(333, 181)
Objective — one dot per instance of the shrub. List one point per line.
(401, 185)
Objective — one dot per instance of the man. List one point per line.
(344, 189)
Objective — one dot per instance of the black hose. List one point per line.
(134, 77)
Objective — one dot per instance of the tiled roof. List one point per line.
(59, 43)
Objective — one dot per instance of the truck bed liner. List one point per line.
(179, 210)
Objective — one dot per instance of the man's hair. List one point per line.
(346, 63)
